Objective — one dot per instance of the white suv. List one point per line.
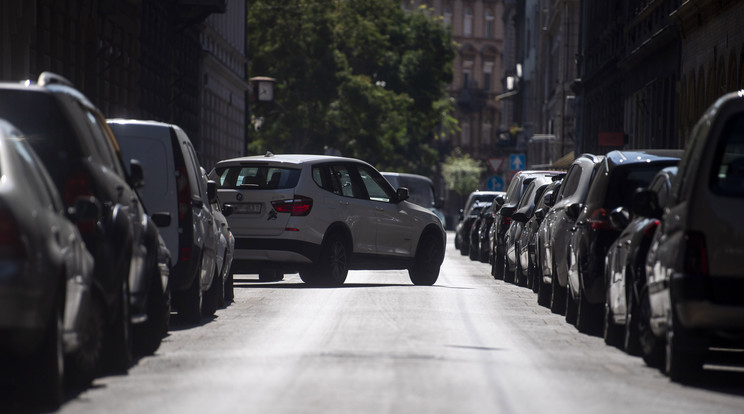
(321, 216)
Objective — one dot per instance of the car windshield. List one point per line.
(255, 177)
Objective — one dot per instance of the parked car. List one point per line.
(420, 191)
(175, 187)
(78, 149)
(537, 242)
(322, 216)
(529, 254)
(484, 242)
(465, 226)
(503, 220)
(475, 196)
(625, 268)
(616, 180)
(517, 236)
(474, 238)
(558, 224)
(225, 265)
(695, 277)
(223, 259)
(46, 292)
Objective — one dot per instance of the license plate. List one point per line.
(248, 208)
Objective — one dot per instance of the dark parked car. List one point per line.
(694, 270)
(503, 220)
(518, 236)
(475, 196)
(466, 225)
(45, 286)
(618, 177)
(80, 152)
(474, 238)
(558, 223)
(625, 268)
(484, 241)
(532, 229)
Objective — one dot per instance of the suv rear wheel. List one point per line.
(333, 263)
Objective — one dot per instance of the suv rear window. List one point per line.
(255, 177)
(728, 165)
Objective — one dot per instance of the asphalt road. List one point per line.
(469, 344)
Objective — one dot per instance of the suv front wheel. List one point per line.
(425, 270)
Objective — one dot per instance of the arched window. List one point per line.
(447, 15)
(489, 24)
(487, 76)
(467, 23)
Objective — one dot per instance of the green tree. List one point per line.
(362, 77)
(461, 173)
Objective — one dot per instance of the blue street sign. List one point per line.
(495, 183)
(516, 162)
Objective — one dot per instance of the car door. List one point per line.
(394, 225)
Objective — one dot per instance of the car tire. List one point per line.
(118, 339)
(212, 295)
(613, 333)
(543, 293)
(572, 308)
(497, 269)
(557, 296)
(270, 276)
(588, 316)
(47, 367)
(229, 287)
(652, 346)
(684, 352)
(333, 263)
(147, 336)
(631, 343)
(82, 365)
(429, 253)
(189, 302)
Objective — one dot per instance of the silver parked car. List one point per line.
(46, 274)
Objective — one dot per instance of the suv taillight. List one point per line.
(650, 228)
(599, 220)
(696, 254)
(11, 242)
(297, 206)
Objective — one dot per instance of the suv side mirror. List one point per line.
(227, 210)
(573, 210)
(549, 198)
(212, 191)
(401, 194)
(136, 174)
(646, 203)
(620, 218)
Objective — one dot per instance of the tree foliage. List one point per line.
(363, 77)
(462, 173)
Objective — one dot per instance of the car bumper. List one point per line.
(705, 302)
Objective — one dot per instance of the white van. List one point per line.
(174, 185)
(420, 190)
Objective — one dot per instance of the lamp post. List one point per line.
(261, 92)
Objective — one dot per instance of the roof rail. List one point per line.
(49, 78)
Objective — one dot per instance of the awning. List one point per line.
(563, 162)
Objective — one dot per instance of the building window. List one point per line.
(487, 70)
(447, 16)
(486, 134)
(468, 23)
(467, 73)
(465, 138)
(489, 24)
